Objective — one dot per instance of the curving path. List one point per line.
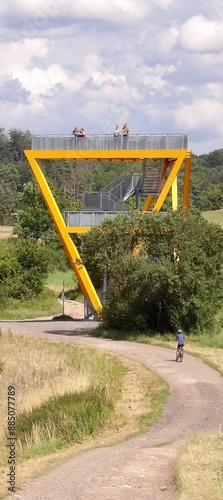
(141, 467)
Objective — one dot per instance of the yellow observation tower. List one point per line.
(159, 157)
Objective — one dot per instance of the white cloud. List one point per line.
(200, 34)
(203, 114)
(38, 81)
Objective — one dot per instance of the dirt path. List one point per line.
(140, 468)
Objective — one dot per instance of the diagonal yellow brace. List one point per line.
(84, 280)
(169, 182)
(151, 197)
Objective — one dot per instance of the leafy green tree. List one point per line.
(207, 180)
(25, 174)
(32, 219)
(23, 268)
(4, 146)
(7, 202)
(163, 271)
(18, 142)
(8, 189)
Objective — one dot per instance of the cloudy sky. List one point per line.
(157, 64)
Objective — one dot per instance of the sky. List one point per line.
(155, 64)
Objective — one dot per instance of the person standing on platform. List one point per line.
(125, 134)
(117, 137)
(81, 142)
(81, 132)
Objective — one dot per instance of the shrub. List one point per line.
(23, 268)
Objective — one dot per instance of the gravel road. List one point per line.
(141, 467)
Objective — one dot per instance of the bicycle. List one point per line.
(180, 354)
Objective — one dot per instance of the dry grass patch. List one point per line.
(212, 356)
(199, 471)
(38, 370)
(5, 232)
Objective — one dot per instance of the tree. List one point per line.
(163, 271)
(32, 219)
(8, 189)
(4, 146)
(23, 269)
(18, 142)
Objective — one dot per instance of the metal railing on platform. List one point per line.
(109, 142)
(87, 219)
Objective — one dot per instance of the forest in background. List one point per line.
(69, 179)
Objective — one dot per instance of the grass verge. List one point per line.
(199, 469)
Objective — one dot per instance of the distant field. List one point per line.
(5, 232)
(215, 216)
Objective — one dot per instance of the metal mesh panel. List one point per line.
(55, 142)
(101, 201)
(68, 142)
(92, 201)
(108, 142)
(87, 219)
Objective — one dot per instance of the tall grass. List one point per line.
(63, 420)
(49, 377)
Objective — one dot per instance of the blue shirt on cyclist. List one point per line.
(180, 337)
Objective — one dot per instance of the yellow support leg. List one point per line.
(174, 195)
(84, 280)
(186, 191)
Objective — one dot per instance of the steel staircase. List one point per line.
(151, 179)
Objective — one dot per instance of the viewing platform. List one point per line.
(109, 142)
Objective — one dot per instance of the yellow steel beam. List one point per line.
(83, 229)
(180, 157)
(186, 191)
(151, 197)
(84, 280)
(148, 203)
(119, 155)
(174, 195)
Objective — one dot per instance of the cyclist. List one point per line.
(180, 337)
